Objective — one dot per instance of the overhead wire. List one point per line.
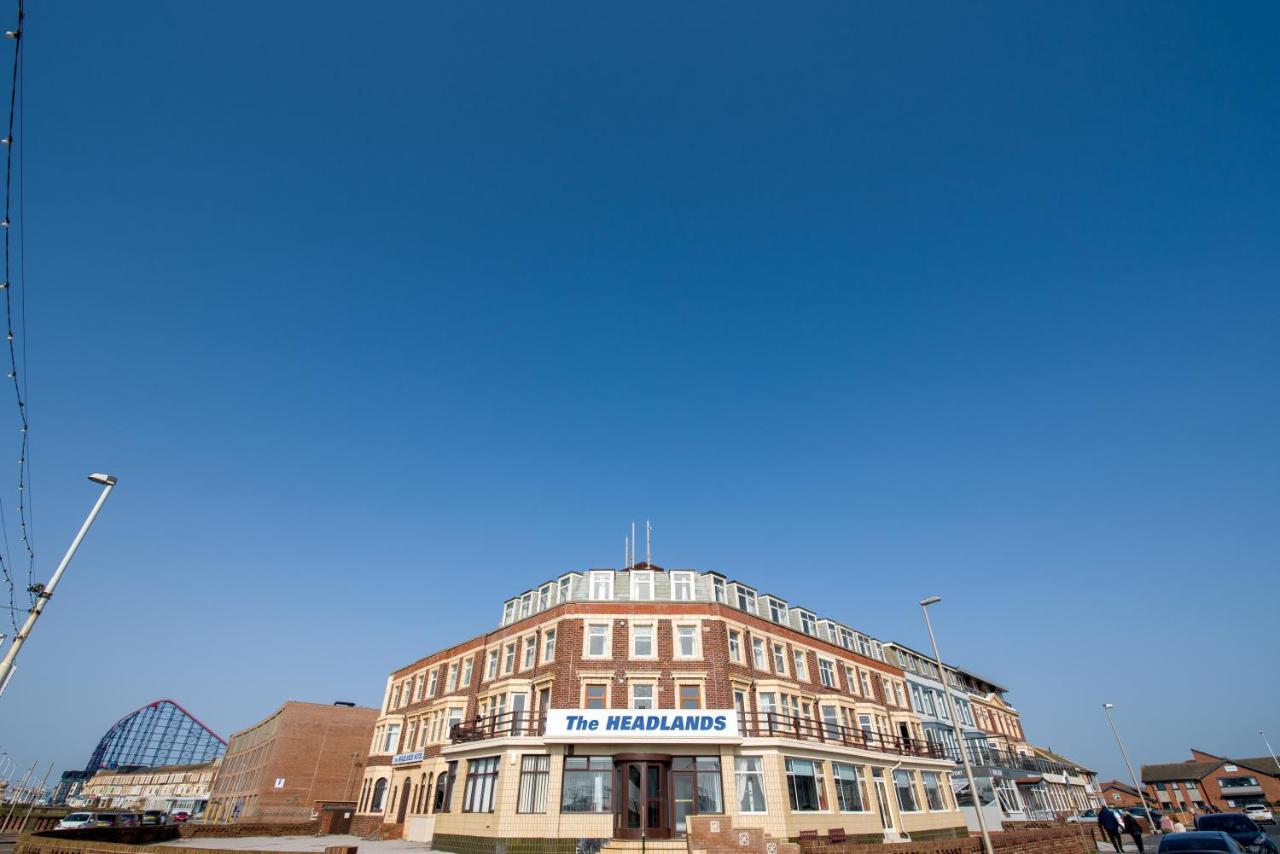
(11, 141)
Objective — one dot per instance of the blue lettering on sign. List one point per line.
(652, 723)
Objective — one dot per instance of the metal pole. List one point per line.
(955, 728)
(6, 666)
(32, 802)
(1106, 707)
(1269, 750)
(13, 804)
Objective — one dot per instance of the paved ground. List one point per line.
(303, 843)
(1151, 844)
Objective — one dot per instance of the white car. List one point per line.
(1260, 813)
(77, 819)
(1086, 816)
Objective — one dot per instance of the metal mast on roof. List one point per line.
(648, 536)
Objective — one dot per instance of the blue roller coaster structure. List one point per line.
(159, 733)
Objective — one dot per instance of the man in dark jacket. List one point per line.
(1110, 824)
(1134, 829)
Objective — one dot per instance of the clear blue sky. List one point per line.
(384, 312)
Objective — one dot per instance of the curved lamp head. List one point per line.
(104, 479)
(1108, 705)
(932, 600)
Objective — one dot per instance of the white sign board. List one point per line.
(642, 724)
(279, 782)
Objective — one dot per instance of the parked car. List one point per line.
(77, 819)
(1085, 817)
(1239, 827)
(180, 816)
(155, 817)
(1198, 840)
(119, 819)
(1260, 813)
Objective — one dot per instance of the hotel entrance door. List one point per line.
(642, 787)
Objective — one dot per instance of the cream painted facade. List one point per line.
(169, 788)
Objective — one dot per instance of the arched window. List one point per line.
(424, 793)
(364, 796)
(379, 793)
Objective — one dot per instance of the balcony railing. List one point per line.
(995, 757)
(752, 725)
(781, 725)
(504, 725)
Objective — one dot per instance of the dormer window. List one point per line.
(846, 638)
(641, 585)
(777, 610)
(682, 586)
(508, 612)
(746, 600)
(602, 585)
(544, 597)
(566, 588)
(526, 605)
(717, 588)
(808, 623)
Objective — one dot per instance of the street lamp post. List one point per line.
(1107, 707)
(955, 726)
(42, 598)
(1269, 749)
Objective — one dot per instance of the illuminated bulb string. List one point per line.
(9, 142)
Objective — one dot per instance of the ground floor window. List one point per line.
(749, 772)
(1008, 795)
(805, 786)
(535, 770)
(906, 791)
(696, 786)
(588, 784)
(482, 780)
(933, 790)
(379, 793)
(851, 791)
(444, 789)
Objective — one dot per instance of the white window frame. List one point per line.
(677, 634)
(530, 657)
(779, 653)
(468, 671)
(564, 589)
(491, 664)
(549, 645)
(641, 578)
(740, 774)
(827, 673)
(800, 664)
(745, 599)
(759, 654)
(777, 610)
(601, 578)
(433, 681)
(608, 641)
(808, 623)
(651, 687)
(653, 641)
(686, 581)
(735, 646)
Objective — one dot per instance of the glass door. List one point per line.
(643, 799)
(882, 799)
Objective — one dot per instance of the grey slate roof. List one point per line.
(1177, 771)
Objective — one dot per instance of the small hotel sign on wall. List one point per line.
(406, 758)
(642, 724)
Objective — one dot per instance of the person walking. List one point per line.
(1110, 826)
(1134, 829)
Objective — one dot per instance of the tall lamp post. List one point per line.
(46, 593)
(955, 725)
(1107, 707)
(1269, 749)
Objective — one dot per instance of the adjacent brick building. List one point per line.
(276, 770)
(1117, 794)
(1209, 782)
(621, 703)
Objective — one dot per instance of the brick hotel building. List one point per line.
(616, 704)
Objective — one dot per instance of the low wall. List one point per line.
(208, 831)
(1050, 840)
(128, 836)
